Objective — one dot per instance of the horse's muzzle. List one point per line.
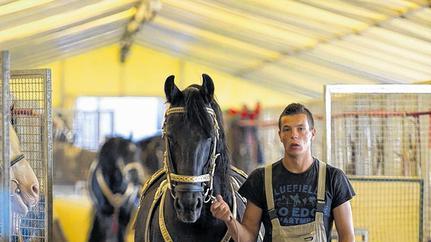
(188, 206)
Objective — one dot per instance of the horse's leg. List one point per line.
(123, 221)
(122, 230)
(96, 234)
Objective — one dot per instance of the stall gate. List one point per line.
(380, 135)
(28, 101)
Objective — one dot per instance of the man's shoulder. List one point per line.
(332, 170)
(258, 172)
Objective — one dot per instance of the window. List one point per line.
(98, 117)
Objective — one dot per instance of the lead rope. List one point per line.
(227, 236)
(208, 196)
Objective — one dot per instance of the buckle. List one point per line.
(320, 206)
(272, 214)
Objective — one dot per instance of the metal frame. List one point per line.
(5, 172)
(329, 89)
(376, 89)
(49, 154)
(398, 179)
(47, 145)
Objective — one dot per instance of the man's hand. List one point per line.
(221, 210)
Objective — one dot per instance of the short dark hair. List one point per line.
(297, 108)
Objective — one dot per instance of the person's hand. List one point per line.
(221, 210)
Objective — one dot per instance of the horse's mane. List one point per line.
(195, 105)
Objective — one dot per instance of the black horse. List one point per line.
(114, 183)
(175, 201)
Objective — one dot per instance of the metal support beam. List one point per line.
(145, 12)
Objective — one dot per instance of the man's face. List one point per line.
(295, 134)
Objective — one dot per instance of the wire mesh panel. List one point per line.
(31, 118)
(316, 108)
(377, 207)
(5, 211)
(382, 131)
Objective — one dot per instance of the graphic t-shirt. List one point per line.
(295, 195)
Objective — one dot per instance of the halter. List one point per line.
(12, 163)
(205, 178)
(116, 200)
(17, 159)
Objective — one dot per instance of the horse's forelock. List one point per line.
(196, 112)
(195, 105)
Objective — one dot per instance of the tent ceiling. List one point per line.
(290, 46)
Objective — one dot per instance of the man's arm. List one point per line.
(245, 231)
(344, 222)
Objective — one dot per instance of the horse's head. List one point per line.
(117, 174)
(117, 161)
(192, 133)
(24, 183)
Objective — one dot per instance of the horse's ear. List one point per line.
(171, 90)
(207, 86)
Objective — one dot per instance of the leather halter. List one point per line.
(12, 163)
(205, 178)
(17, 159)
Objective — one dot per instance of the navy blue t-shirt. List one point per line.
(295, 195)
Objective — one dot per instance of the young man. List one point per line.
(304, 196)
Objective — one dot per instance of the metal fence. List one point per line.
(31, 114)
(26, 103)
(383, 131)
(5, 211)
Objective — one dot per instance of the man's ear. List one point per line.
(313, 133)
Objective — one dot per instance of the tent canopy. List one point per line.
(285, 45)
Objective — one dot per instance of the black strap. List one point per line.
(17, 159)
(320, 206)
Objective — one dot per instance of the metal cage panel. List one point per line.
(31, 117)
(5, 211)
(382, 131)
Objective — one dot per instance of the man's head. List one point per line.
(296, 130)
(297, 108)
